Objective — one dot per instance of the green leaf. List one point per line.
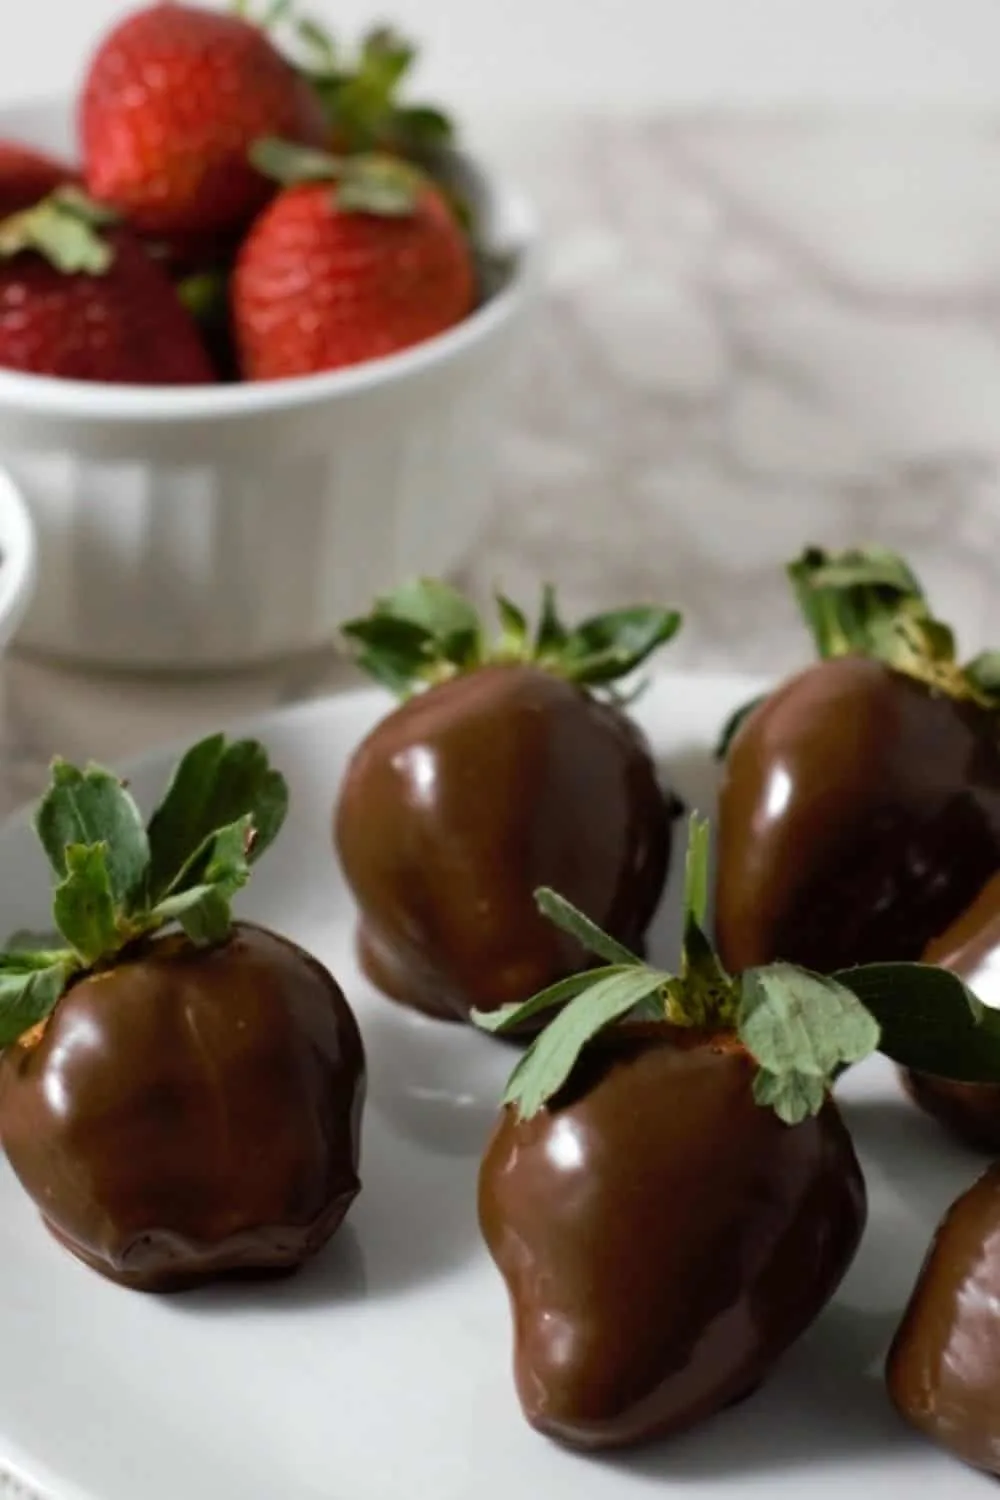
(426, 631)
(93, 807)
(609, 646)
(422, 129)
(289, 163)
(696, 868)
(220, 869)
(386, 57)
(509, 1016)
(30, 988)
(84, 904)
(203, 913)
(379, 184)
(983, 671)
(552, 1056)
(793, 1022)
(929, 1020)
(794, 1097)
(319, 42)
(215, 785)
(516, 632)
(568, 918)
(435, 607)
(850, 598)
(64, 229)
(552, 634)
(734, 724)
(874, 567)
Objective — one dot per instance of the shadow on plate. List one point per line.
(434, 1083)
(336, 1274)
(824, 1404)
(926, 1167)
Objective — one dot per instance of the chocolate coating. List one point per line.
(943, 1370)
(191, 1113)
(971, 948)
(467, 798)
(859, 815)
(663, 1238)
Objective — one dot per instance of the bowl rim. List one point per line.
(82, 400)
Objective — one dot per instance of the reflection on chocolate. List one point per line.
(465, 800)
(943, 1370)
(859, 815)
(663, 1238)
(970, 948)
(189, 1114)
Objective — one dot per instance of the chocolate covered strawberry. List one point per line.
(859, 811)
(970, 948)
(173, 100)
(670, 1192)
(943, 1370)
(509, 764)
(80, 298)
(180, 1094)
(357, 258)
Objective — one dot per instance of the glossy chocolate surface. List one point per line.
(943, 1371)
(859, 815)
(971, 948)
(465, 800)
(190, 1114)
(663, 1238)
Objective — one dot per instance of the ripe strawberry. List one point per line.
(88, 306)
(171, 104)
(347, 269)
(27, 176)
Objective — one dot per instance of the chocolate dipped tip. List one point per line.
(943, 1370)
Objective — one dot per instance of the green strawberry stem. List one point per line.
(868, 602)
(64, 228)
(119, 881)
(372, 183)
(801, 1029)
(426, 632)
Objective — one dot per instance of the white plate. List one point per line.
(383, 1371)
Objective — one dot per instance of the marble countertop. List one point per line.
(757, 331)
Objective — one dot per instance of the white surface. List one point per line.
(233, 524)
(18, 558)
(383, 1371)
(615, 53)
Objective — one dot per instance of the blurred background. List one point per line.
(617, 53)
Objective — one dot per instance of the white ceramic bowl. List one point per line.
(213, 527)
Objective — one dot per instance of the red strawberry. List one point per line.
(337, 272)
(89, 306)
(27, 176)
(172, 102)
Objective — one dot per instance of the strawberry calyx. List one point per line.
(65, 229)
(800, 1029)
(868, 602)
(426, 632)
(370, 183)
(359, 93)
